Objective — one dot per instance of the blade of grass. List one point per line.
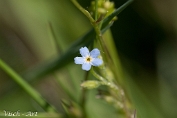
(30, 90)
(115, 13)
(65, 88)
(68, 92)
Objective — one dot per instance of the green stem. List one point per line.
(20, 81)
(96, 10)
(99, 36)
(83, 10)
(83, 98)
(116, 89)
(98, 76)
(105, 81)
(97, 26)
(65, 89)
(100, 24)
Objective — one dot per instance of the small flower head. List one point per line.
(105, 7)
(88, 59)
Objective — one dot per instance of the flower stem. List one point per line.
(96, 10)
(118, 90)
(83, 98)
(105, 81)
(96, 26)
(31, 91)
(85, 12)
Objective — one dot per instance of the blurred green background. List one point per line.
(145, 36)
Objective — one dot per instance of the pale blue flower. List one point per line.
(88, 59)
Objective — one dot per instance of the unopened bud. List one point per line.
(109, 99)
(107, 5)
(102, 11)
(90, 84)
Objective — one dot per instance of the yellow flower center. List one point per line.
(88, 59)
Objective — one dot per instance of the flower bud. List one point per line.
(90, 84)
(104, 7)
(102, 11)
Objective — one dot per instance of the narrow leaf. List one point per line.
(116, 12)
(29, 89)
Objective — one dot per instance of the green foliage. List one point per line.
(54, 86)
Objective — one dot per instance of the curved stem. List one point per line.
(85, 12)
(105, 81)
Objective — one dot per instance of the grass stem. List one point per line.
(29, 89)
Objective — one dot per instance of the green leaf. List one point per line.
(116, 12)
(29, 89)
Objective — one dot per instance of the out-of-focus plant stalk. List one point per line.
(85, 12)
(96, 9)
(83, 98)
(65, 88)
(60, 49)
(30, 90)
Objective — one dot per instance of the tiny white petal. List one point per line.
(86, 66)
(79, 60)
(97, 62)
(84, 51)
(95, 53)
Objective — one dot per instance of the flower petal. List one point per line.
(95, 53)
(79, 60)
(97, 62)
(86, 66)
(84, 51)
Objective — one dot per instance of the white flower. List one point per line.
(88, 59)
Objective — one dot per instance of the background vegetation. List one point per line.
(145, 36)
